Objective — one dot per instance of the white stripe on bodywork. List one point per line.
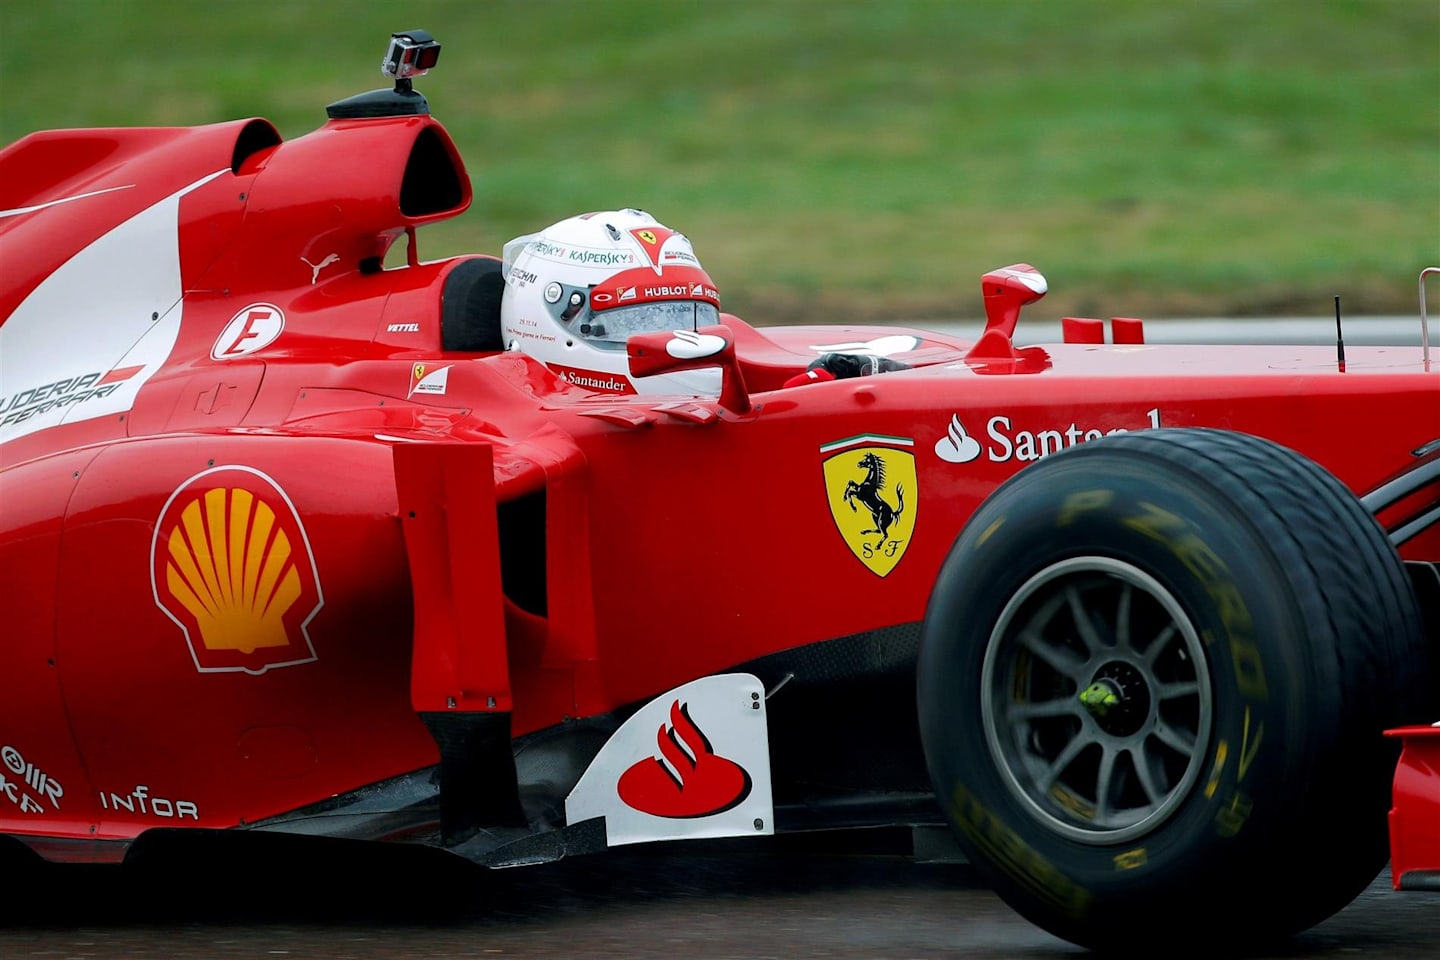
(16, 211)
(879, 347)
(115, 304)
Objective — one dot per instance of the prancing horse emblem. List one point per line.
(885, 487)
(867, 491)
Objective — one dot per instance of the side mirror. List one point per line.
(666, 351)
(1005, 291)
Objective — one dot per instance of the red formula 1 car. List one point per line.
(288, 543)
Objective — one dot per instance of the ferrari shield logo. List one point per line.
(873, 493)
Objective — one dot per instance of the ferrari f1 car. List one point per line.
(290, 542)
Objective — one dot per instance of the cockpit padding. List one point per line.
(470, 306)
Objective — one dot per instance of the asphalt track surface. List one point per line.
(262, 897)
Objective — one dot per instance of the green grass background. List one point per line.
(856, 159)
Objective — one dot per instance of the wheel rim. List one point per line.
(1096, 700)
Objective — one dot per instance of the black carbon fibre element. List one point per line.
(477, 773)
(860, 810)
(1425, 577)
(385, 102)
(406, 807)
(842, 721)
(587, 836)
(550, 762)
(1409, 482)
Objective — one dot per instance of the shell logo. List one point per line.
(231, 565)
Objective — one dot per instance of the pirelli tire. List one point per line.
(1153, 677)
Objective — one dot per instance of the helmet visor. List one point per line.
(616, 325)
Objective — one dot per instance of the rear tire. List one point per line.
(1153, 681)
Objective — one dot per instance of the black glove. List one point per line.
(843, 366)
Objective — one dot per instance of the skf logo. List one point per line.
(254, 328)
(687, 779)
(231, 564)
(873, 494)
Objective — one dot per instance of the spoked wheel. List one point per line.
(1153, 683)
(1095, 699)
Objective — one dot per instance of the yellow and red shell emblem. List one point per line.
(231, 564)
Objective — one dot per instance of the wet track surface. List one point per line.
(731, 899)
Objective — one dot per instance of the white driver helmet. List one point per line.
(575, 291)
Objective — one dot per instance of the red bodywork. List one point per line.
(253, 531)
(1415, 819)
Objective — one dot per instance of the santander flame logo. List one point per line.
(957, 446)
(687, 779)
